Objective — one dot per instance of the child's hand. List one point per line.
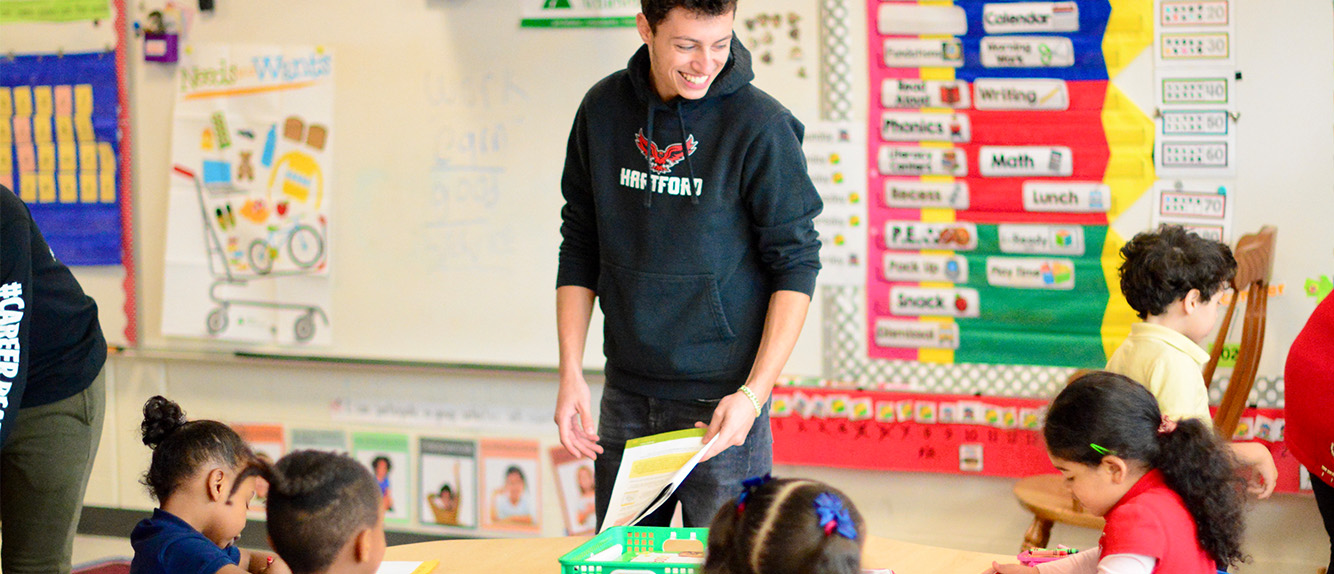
(278, 567)
(997, 568)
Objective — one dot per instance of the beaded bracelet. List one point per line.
(753, 399)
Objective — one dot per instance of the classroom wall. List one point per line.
(976, 513)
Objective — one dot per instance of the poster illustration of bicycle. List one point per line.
(248, 217)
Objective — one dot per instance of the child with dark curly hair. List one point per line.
(786, 526)
(1175, 281)
(1168, 490)
(197, 476)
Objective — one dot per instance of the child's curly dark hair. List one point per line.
(1121, 415)
(1163, 266)
(182, 447)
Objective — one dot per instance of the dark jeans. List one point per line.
(627, 416)
(1324, 499)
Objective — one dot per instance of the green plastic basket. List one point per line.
(634, 540)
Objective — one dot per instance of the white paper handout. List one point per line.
(651, 470)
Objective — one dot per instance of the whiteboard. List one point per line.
(451, 123)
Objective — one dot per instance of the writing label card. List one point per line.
(1031, 273)
(920, 126)
(1029, 239)
(1021, 94)
(908, 93)
(912, 160)
(918, 267)
(918, 194)
(913, 235)
(1020, 17)
(923, 53)
(1025, 161)
(912, 19)
(1072, 197)
(1027, 52)
(933, 302)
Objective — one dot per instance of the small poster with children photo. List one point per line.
(447, 490)
(266, 440)
(386, 455)
(511, 485)
(574, 483)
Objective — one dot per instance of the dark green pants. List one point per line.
(44, 470)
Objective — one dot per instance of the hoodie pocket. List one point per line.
(664, 325)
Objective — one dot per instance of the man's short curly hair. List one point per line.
(656, 10)
(1163, 266)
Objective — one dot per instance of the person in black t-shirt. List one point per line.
(52, 396)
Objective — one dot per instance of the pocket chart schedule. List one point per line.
(1000, 153)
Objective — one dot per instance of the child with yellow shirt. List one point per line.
(1175, 281)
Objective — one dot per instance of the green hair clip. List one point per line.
(1102, 451)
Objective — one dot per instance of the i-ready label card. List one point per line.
(1030, 239)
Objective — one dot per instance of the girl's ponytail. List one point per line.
(1198, 466)
(161, 418)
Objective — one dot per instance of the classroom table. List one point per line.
(539, 555)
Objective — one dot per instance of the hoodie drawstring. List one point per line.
(687, 148)
(648, 193)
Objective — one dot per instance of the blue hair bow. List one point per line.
(834, 516)
(748, 486)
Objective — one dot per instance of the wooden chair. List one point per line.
(1045, 495)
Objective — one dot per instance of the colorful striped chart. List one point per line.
(999, 154)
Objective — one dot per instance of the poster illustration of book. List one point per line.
(386, 455)
(447, 490)
(511, 485)
(574, 485)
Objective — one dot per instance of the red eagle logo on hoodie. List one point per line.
(662, 161)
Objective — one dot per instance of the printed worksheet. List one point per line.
(651, 470)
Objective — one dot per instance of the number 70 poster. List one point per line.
(251, 184)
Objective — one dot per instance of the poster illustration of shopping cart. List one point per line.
(248, 222)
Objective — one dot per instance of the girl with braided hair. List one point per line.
(786, 526)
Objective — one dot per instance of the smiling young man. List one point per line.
(689, 218)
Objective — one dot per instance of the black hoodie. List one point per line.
(684, 217)
(51, 345)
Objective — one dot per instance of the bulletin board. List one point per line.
(991, 333)
(448, 137)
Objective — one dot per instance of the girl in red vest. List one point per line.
(1168, 489)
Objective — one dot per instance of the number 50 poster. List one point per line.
(251, 183)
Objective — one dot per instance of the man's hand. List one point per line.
(575, 419)
(731, 422)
